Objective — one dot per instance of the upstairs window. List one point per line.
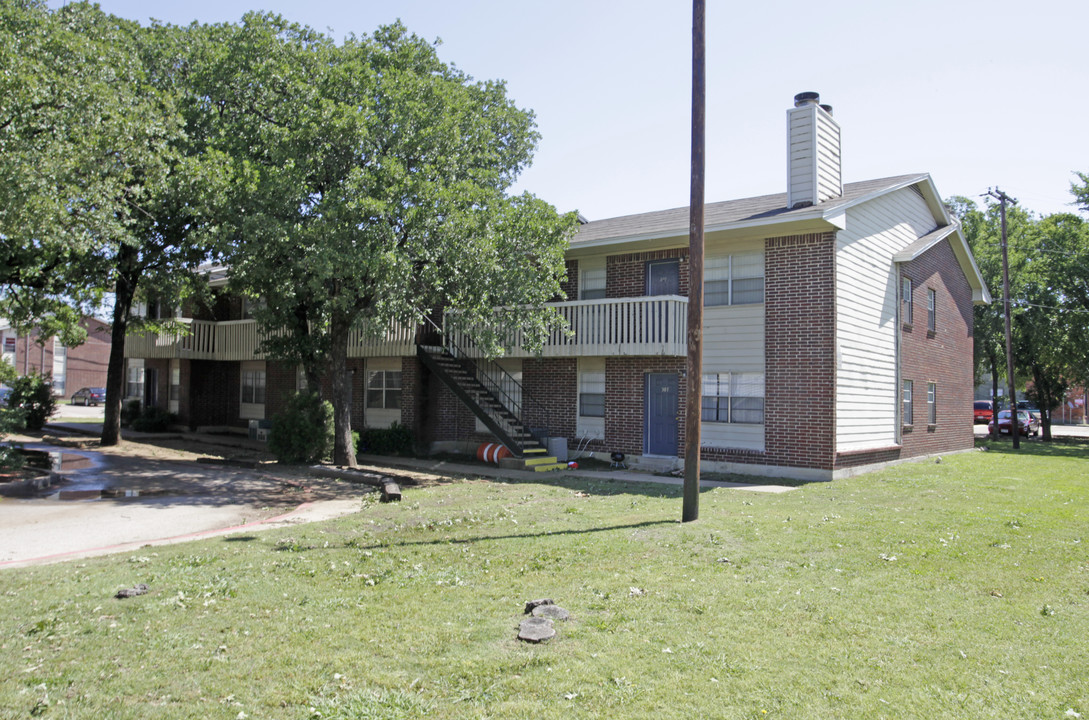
(905, 299)
(733, 279)
(931, 310)
(591, 281)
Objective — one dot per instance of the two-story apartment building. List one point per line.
(70, 368)
(837, 336)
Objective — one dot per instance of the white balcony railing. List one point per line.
(240, 339)
(622, 326)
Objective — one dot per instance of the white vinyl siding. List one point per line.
(733, 342)
(867, 297)
(814, 156)
(382, 392)
(591, 382)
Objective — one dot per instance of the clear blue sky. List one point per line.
(978, 93)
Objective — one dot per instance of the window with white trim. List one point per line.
(592, 276)
(931, 309)
(907, 403)
(60, 366)
(384, 390)
(592, 394)
(733, 398)
(733, 279)
(932, 403)
(253, 386)
(905, 299)
(134, 379)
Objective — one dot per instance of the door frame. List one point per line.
(648, 383)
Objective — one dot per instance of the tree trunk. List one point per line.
(1045, 400)
(343, 447)
(115, 370)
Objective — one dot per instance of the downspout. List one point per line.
(898, 389)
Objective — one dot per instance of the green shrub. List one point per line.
(33, 393)
(130, 411)
(153, 419)
(394, 440)
(303, 432)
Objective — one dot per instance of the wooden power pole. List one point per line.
(1015, 429)
(694, 370)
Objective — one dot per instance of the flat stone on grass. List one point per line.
(537, 603)
(536, 629)
(555, 612)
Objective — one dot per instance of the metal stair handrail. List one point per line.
(485, 372)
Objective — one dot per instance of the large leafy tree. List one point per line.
(1049, 299)
(376, 192)
(106, 182)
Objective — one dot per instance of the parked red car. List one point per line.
(981, 410)
(1026, 423)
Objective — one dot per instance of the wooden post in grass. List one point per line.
(694, 373)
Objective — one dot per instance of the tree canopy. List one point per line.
(375, 192)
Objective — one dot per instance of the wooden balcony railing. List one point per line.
(240, 339)
(623, 326)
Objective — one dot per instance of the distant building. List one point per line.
(70, 368)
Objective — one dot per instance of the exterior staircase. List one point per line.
(496, 399)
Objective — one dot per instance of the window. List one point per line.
(134, 380)
(592, 394)
(905, 297)
(931, 303)
(253, 386)
(907, 402)
(250, 306)
(733, 398)
(733, 279)
(591, 281)
(60, 366)
(384, 389)
(931, 403)
(175, 381)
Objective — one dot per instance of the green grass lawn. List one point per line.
(928, 590)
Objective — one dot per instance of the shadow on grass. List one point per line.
(1059, 447)
(292, 545)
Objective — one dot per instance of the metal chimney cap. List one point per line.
(827, 109)
(807, 98)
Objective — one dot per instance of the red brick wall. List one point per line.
(625, 385)
(280, 380)
(626, 275)
(943, 357)
(799, 348)
(570, 286)
(215, 393)
(553, 383)
(86, 364)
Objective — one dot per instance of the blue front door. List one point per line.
(660, 427)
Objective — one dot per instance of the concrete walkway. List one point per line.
(114, 503)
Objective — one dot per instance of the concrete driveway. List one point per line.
(113, 503)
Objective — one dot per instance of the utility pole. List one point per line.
(1015, 430)
(694, 373)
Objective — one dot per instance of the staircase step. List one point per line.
(539, 460)
(548, 468)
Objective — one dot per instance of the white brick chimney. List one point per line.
(813, 152)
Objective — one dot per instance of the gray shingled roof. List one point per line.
(760, 209)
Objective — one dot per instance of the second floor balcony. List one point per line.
(607, 327)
